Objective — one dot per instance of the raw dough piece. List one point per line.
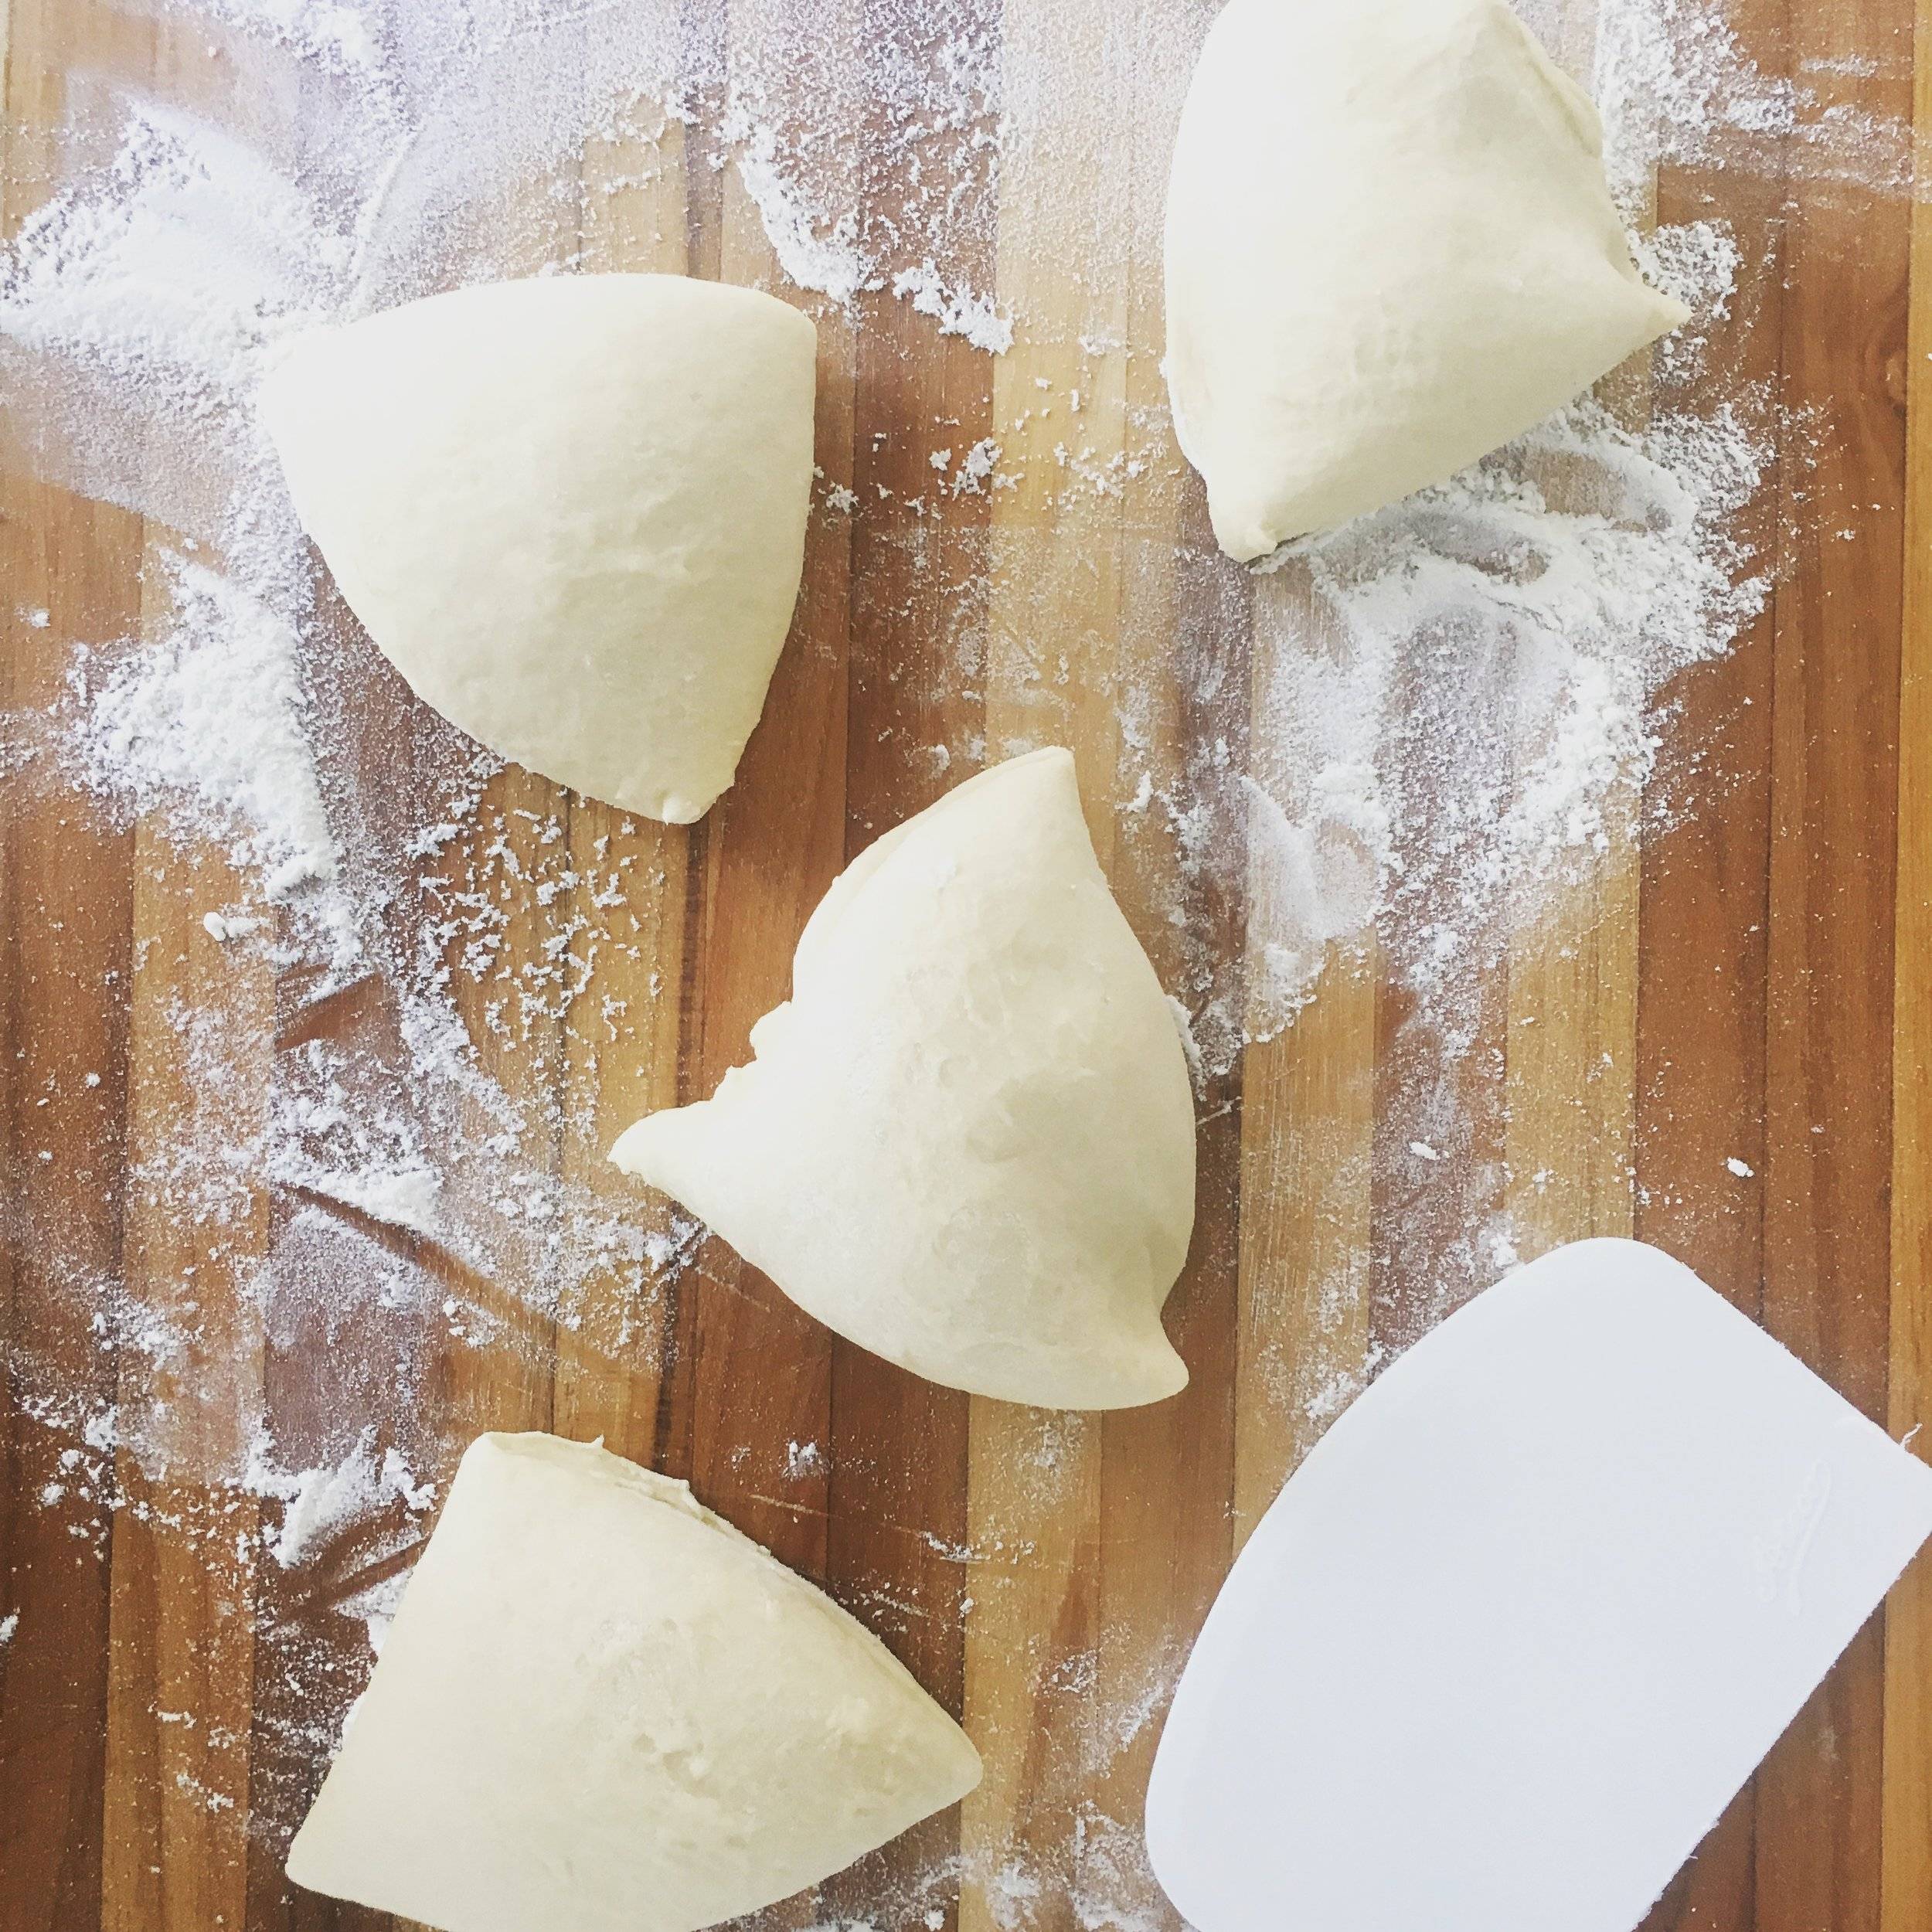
(1389, 249)
(966, 1142)
(570, 511)
(1528, 1617)
(601, 1709)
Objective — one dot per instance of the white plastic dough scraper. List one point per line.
(1527, 1618)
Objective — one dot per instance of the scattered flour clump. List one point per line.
(321, 1502)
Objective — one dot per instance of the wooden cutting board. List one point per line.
(1748, 984)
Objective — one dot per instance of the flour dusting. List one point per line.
(411, 991)
(321, 1502)
(207, 723)
(1676, 86)
(1482, 672)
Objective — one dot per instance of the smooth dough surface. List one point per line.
(1527, 1617)
(1391, 249)
(966, 1142)
(602, 1709)
(571, 510)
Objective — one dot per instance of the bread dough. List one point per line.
(602, 1709)
(1389, 249)
(966, 1142)
(1527, 1617)
(570, 511)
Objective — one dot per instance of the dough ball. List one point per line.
(570, 511)
(966, 1142)
(602, 1709)
(1390, 248)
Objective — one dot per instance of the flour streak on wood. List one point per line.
(1745, 982)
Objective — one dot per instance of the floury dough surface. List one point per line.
(1391, 249)
(571, 510)
(601, 1708)
(967, 1141)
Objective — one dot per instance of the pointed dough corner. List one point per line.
(570, 510)
(966, 1142)
(602, 1707)
(1390, 248)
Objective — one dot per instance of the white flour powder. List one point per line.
(1454, 710)
(1544, 598)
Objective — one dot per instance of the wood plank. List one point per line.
(1308, 1089)
(184, 1554)
(1834, 795)
(1187, 645)
(1905, 1876)
(1703, 907)
(622, 1047)
(1050, 1687)
(1570, 1051)
(900, 1447)
(1031, 1548)
(760, 1370)
(62, 1003)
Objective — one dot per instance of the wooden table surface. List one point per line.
(1747, 981)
